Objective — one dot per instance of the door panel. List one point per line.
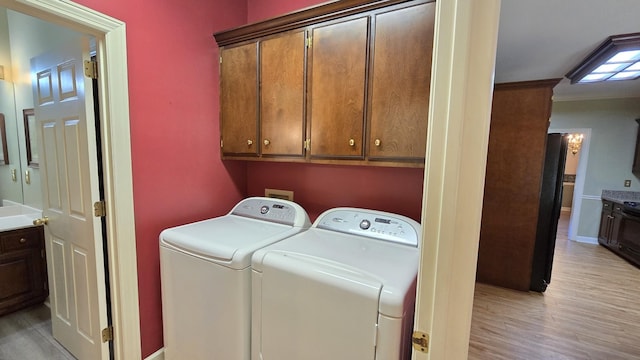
(400, 94)
(238, 100)
(73, 235)
(339, 58)
(282, 94)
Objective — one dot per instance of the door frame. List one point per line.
(116, 151)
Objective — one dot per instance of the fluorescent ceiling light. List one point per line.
(618, 58)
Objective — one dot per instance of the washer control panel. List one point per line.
(371, 223)
(273, 210)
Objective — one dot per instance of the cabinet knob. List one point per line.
(42, 221)
(266, 142)
(352, 142)
(377, 142)
(249, 142)
(23, 240)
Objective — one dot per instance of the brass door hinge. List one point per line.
(307, 144)
(221, 143)
(91, 69)
(99, 209)
(107, 334)
(220, 59)
(420, 341)
(309, 41)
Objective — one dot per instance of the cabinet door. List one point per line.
(238, 100)
(337, 89)
(605, 226)
(401, 76)
(614, 226)
(282, 94)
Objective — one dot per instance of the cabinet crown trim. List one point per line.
(301, 18)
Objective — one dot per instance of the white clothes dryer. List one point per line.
(344, 289)
(206, 277)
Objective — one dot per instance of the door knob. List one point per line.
(377, 142)
(249, 142)
(41, 221)
(352, 142)
(266, 142)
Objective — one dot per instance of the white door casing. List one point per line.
(457, 139)
(73, 236)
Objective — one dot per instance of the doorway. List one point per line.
(578, 180)
(113, 90)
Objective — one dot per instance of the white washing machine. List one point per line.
(206, 277)
(344, 289)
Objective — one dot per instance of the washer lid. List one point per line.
(228, 239)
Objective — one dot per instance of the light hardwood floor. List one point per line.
(26, 335)
(590, 310)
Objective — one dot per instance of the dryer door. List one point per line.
(316, 309)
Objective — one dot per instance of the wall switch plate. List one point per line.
(627, 183)
(279, 194)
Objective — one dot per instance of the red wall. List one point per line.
(264, 9)
(320, 187)
(178, 176)
(173, 92)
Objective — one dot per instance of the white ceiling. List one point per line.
(545, 39)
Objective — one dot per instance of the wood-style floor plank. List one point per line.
(590, 311)
(26, 335)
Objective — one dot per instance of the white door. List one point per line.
(75, 262)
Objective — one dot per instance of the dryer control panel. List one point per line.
(273, 210)
(371, 223)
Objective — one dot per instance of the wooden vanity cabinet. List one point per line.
(282, 99)
(23, 274)
(400, 81)
(238, 100)
(338, 65)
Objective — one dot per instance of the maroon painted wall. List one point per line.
(178, 176)
(320, 187)
(264, 9)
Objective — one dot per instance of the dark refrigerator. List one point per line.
(549, 212)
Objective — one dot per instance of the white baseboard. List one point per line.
(158, 355)
(587, 239)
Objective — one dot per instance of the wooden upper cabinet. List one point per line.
(238, 100)
(338, 62)
(401, 75)
(282, 94)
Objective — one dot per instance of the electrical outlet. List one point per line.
(279, 194)
(627, 183)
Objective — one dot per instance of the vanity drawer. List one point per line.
(21, 239)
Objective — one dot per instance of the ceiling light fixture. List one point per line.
(574, 141)
(618, 58)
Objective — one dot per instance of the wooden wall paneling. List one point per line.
(517, 139)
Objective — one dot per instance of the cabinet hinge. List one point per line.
(307, 144)
(221, 143)
(220, 59)
(309, 41)
(99, 209)
(107, 334)
(420, 341)
(91, 69)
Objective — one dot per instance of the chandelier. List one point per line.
(574, 142)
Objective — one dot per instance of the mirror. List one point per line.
(10, 167)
